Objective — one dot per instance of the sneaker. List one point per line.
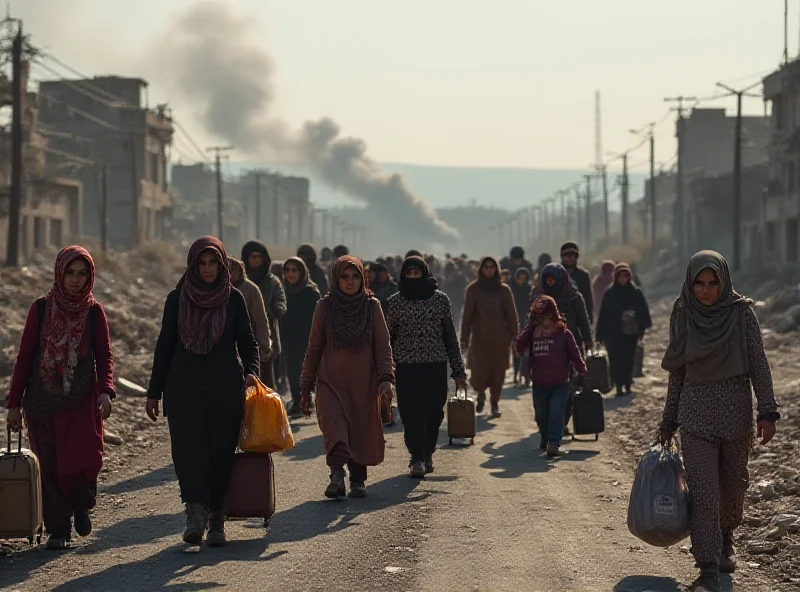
(481, 403)
(357, 489)
(428, 464)
(196, 523)
(496, 411)
(417, 470)
(336, 486)
(57, 543)
(216, 530)
(554, 450)
(83, 523)
(707, 581)
(727, 561)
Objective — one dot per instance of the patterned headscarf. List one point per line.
(546, 306)
(65, 322)
(203, 307)
(348, 317)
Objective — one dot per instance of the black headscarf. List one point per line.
(417, 288)
(303, 282)
(256, 275)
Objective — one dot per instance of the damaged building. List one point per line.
(106, 120)
(51, 206)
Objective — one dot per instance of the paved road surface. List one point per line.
(494, 517)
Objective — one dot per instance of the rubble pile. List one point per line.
(769, 540)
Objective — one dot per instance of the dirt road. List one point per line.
(494, 517)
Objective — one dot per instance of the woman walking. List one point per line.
(488, 329)
(302, 296)
(349, 365)
(521, 289)
(424, 340)
(603, 281)
(204, 332)
(553, 350)
(715, 360)
(624, 317)
(63, 382)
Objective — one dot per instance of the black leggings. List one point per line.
(421, 397)
(204, 430)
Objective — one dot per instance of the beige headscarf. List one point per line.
(709, 341)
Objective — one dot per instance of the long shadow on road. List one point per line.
(142, 481)
(647, 584)
(515, 459)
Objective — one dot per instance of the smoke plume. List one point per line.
(211, 57)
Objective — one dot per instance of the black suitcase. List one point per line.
(597, 372)
(588, 415)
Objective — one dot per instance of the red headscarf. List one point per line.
(203, 307)
(65, 321)
(546, 306)
(348, 317)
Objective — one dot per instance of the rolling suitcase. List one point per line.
(638, 361)
(597, 372)
(251, 491)
(588, 415)
(20, 494)
(462, 421)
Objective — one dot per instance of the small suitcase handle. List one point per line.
(462, 390)
(8, 440)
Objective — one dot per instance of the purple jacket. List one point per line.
(551, 356)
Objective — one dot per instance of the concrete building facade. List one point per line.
(106, 120)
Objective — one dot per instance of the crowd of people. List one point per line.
(342, 336)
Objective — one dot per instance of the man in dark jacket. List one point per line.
(308, 253)
(515, 260)
(257, 263)
(569, 259)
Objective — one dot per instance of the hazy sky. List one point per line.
(458, 82)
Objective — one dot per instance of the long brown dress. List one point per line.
(346, 384)
(489, 326)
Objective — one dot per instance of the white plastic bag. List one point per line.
(658, 510)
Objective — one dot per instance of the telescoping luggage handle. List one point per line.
(8, 440)
(463, 391)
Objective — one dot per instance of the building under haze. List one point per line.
(106, 120)
(50, 214)
(781, 202)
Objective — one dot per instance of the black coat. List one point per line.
(616, 301)
(182, 376)
(583, 281)
(296, 323)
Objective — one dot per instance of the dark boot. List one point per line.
(428, 463)
(708, 580)
(57, 543)
(727, 561)
(216, 530)
(196, 522)
(554, 450)
(294, 411)
(481, 403)
(357, 489)
(336, 486)
(496, 410)
(83, 523)
(416, 470)
(620, 393)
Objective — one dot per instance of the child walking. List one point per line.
(551, 348)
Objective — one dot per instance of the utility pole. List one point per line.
(569, 222)
(625, 236)
(578, 216)
(312, 214)
(588, 222)
(607, 220)
(276, 226)
(324, 228)
(737, 175)
(258, 205)
(653, 200)
(104, 208)
(218, 150)
(680, 213)
(17, 105)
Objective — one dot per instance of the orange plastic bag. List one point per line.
(265, 428)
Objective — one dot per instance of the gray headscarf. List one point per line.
(709, 341)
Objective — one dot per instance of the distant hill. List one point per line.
(447, 187)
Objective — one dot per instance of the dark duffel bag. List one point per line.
(588, 415)
(597, 372)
